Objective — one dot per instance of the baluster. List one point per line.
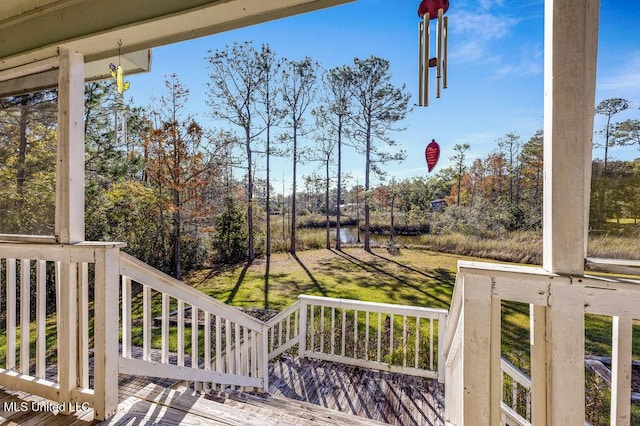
(355, 333)
(404, 340)
(344, 328)
(379, 336)
(322, 329)
(390, 337)
(333, 330)
(207, 342)
(83, 324)
(218, 345)
(146, 322)
(165, 328)
(41, 321)
(440, 330)
(238, 350)
(180, 322)
(126, 317)
(366, 335)
(289, 328)
(417, 342)
(194, 337)
(229, 359)
(25, 308)
(11, 314)
(313, 329)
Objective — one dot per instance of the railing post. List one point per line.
(538, 350)
(442, 331)
(621, 371)
(264, 357)
(478, 369)
(302, 335)
(565, 355)
(105, 367)
(67, 322)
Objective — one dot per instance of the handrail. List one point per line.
(374, 335)
(141, 272)
(455, 309)
(284, 314)
(388, 308)
(615, 266)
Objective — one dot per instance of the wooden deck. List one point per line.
(302, 392)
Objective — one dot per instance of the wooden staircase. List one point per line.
(159, 405)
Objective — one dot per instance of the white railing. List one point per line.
(516, 395)
(475, 377)
(215, 344)
(284, 330)
(70, 278)
(381, 336)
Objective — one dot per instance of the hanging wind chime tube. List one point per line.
(428, 10)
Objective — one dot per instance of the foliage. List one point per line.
(230, 238)
(27, 163)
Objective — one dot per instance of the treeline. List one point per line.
(179, 193)
(182, 195)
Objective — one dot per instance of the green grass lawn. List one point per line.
(413, 277)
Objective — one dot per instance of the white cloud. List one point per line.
(531, 63)
(474, 34)
(623, 78)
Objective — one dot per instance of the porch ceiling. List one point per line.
(33, 30)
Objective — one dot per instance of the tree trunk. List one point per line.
(367, 236)
(326, 203)
(177, 253)
(339, 188)
(292, 249)
(268, 201)
(251, 254)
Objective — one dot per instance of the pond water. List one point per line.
(349, 235)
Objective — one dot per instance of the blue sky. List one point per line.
(495, 72)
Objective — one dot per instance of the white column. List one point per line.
(105, 364)
(571, 38)
(621, 371)
(69, 210)
(538, 350)
(481, 394)
(70, 166)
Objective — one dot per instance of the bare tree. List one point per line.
(323, 152)
(298, 92)
(336, 96)
(459, 159)
(378, 106)
(235, 78)
(268, 98)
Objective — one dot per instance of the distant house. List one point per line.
(438, 204)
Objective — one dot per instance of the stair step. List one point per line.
(159, 405)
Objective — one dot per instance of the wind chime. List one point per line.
(120, 117)
(429, 10)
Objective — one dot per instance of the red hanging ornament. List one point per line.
(432, 154)
(432, 7)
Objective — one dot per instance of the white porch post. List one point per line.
(69, 210)
(571, 34)
(481, 353)
(105, 366)
(70, 167)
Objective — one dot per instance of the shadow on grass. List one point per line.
(316, 283)
(441, 273)
(233, 293)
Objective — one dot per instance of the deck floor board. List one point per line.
(302, 392)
